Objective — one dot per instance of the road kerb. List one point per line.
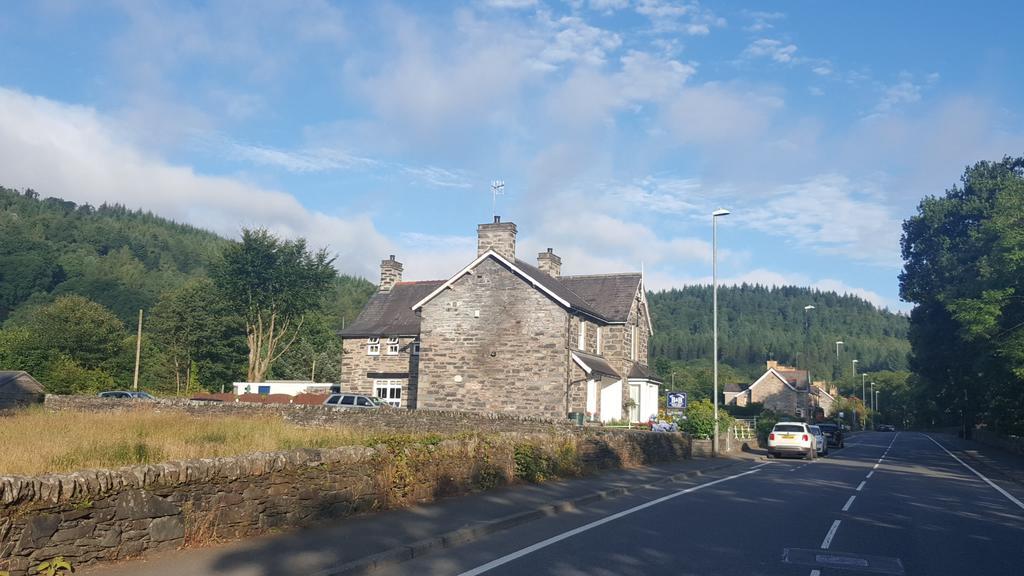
(465, 535)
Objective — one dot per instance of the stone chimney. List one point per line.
(550, 263)
(773, 364)
(498, 236)
(390, 273)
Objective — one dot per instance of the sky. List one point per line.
(617, 126)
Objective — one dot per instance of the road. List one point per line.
(889, 503)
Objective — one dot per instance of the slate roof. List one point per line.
(19, 382)
(641, 372)
(390, 313)
(596, 364)
(559, 287)
(610, 295)
(734, 388)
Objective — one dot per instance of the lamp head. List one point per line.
(840, 342)
(809, 307)
(720, 212)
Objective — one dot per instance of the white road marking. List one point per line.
(831, 534)
(815, 572)
(761, 466)
(1009, 496)
(870, 473)
(876, 465)
(849, 503)
(564, 535)
(861, 485)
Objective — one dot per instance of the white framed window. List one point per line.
(597, 350)
(373, 346)
(389, 392)
(414, 348)
(633, 343)
(392, 346)
(581, 341)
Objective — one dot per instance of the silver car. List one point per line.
(353, 401)
(819, 436)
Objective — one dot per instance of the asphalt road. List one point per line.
(889, 503)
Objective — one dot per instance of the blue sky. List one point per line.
(375, 128)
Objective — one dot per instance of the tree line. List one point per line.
(964, 269)
(73, 277)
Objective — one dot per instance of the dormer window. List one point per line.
(392, 346)
(373, 346)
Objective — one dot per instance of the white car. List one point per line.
(820, 440)
(792, 439)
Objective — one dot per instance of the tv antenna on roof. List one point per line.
(497, 189)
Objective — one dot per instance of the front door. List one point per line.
(634, 406)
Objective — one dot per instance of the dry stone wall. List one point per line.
(385, 420)
(100, 515)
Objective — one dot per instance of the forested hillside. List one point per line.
(758, 323)
(73, 279)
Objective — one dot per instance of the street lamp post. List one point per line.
(714, 297)
(838, 344)
(873, 396)
(863, 397)
(807, 341)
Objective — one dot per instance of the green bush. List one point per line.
(531, 463)
(700, 420)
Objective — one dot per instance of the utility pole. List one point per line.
(138, 354)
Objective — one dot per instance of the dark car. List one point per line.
(833, 434)
(126, 394)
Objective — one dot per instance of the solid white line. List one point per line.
(869, 474)
(564, 535)
(1009, 496)
(831, 534)
(849, 503)
(861, 485)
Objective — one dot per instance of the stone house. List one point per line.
(784, 390)
(504, 335)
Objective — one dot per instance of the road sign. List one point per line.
(676, 400)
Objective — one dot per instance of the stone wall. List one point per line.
(99, 515)
(494, 343)
(385, 420)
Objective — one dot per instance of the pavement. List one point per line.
(370, 543)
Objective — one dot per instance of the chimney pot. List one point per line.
(497, 219)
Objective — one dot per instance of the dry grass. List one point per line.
(37, 441)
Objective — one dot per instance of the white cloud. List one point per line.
(78, 154)
(776, 50)
(441, 177)
(833, 215)
(512, 4)
(608, 5)
(716, 114)
(762, 20)
(678, 16)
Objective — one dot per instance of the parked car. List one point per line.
(126, 394)
(833, 434)
(792, 439)
(885, 428)
(353, 401)
(820, 442)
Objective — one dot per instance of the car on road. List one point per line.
(885, 428)
(353, 401)
(792, 439)
(833, 434)
(819, 440)
(126, 394)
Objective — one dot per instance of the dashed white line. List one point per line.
(876, 464)
(1009, 496)
(869, 474)
(846, 507)
(569, 534)
(815, 572)
(831, 534)
(861, 485)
